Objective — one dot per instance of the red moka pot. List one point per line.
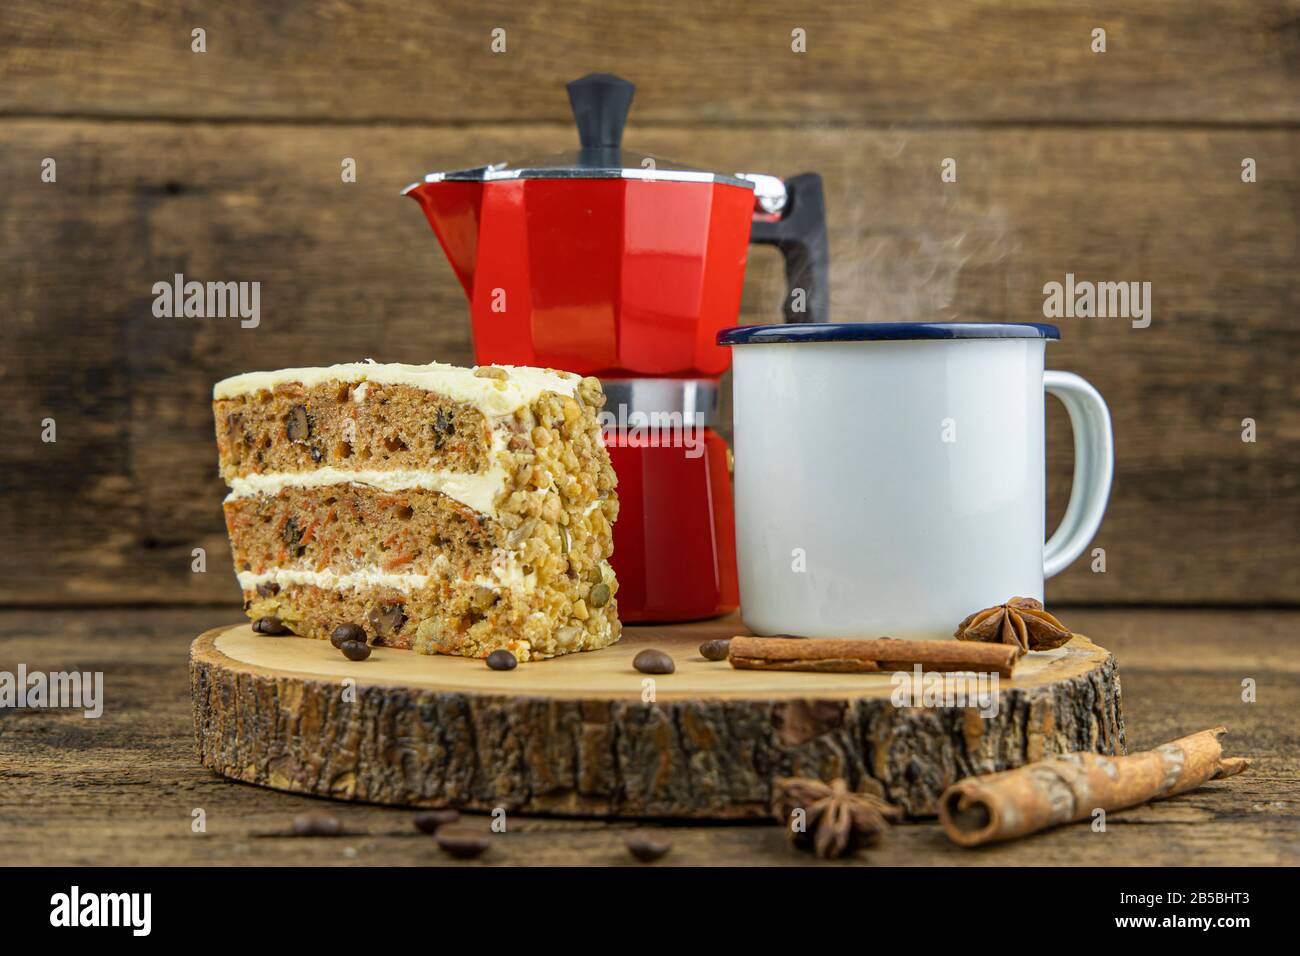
(624, 266)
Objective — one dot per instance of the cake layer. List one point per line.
(350, 527)
(363, 426)
(449, 618)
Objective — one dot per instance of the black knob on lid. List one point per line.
(600, 103)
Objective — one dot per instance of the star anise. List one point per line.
(835, 820)
(1021, 621)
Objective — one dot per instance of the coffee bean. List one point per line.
(430, 820)
(599, 595)
(348, 633)
(645, 847)
(355, 650)
(716, 650)
(653, 661)
(316, 823)
(501, 660)
(269, 625)
(462, 844)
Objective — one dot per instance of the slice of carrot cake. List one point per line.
(445, 509)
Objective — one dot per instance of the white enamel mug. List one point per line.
(890, 478)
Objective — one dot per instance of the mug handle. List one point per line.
(1094, 465)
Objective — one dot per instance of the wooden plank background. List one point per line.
(726, 62)
(225, 166)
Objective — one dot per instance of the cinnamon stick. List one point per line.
(1070, 787)
(864, 656)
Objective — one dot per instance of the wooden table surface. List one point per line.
(123, 789)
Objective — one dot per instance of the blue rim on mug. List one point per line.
(883, 332)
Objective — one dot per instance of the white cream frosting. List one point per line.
(521, 387)
(478, 491)
(332, 580)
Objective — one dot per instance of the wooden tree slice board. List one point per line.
(575, 736)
